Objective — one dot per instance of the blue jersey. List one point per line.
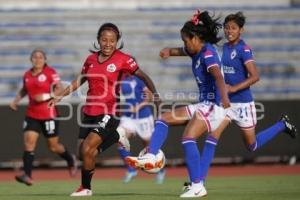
(132, 90)
(201, 62)
(234, 61)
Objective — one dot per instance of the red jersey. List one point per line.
(104, 81)
(36, 85)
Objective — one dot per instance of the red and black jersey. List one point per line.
(36, 85)
(103, 80)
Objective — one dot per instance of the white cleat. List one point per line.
(81, 192)
(146, 161)
(195, 190)
(123, 140)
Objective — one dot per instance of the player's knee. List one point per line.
(86, 151)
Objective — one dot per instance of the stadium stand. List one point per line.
(67, 33)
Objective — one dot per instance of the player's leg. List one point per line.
(89, 147)
(51, 132)
(209, 147)
(56, 147)
(30, 140)
(159, 135)
(255, 141)
(105, 126)
(129, 132)
(247, 122)
(32, 128)
(161, 127)
(195, 128)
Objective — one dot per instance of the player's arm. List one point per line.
(148, 97)
(56, 88)
(167, 52)
(253, 77)
(75, 84)
(14, 104)
(216, 72)
(150, 85)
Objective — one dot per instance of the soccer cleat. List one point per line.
(24, 179)
(80, 192)
(123, 140)
(129, 176)
(146, 161)
(160, 177)
(73, 168)
(186, 186)
(195, 190)
(290, 129)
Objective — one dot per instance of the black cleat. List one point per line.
(24, 179)
(290, 129)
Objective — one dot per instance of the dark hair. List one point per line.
(203, 26)
(238, 18)
(38, 50)
(110, 27)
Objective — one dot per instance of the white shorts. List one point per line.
(212, 114)
(243, 114)
(143, 127)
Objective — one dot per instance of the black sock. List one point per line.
(68, 157)
(109, 141)
(28, 157)
(86, 178)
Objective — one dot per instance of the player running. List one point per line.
(38, 83)
(198, 36)
(102, 70)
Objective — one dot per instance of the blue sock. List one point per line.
(159, 136)
(123, 153)
(207, 155)
(192, 159)
(266, 135)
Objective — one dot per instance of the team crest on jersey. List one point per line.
(233, 54)
(111, 68)
(42, 78)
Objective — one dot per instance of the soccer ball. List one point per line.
(159, 164)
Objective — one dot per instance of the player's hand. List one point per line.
(13, 105)
(230, 89)
(164, 53)
(53, 102)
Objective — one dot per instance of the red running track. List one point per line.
(118, 173)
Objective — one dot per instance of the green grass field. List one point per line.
(224, 188)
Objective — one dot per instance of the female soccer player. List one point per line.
(137, 118)
(102, 70)
(38, 82)
(240, 73)
(198, 36)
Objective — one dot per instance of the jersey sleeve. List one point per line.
(210, 59)
(247, 55)
(54, 77)
(130, 65)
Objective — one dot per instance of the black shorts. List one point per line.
(103, 125)
(49, 128)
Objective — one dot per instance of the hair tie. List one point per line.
(195, 19)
